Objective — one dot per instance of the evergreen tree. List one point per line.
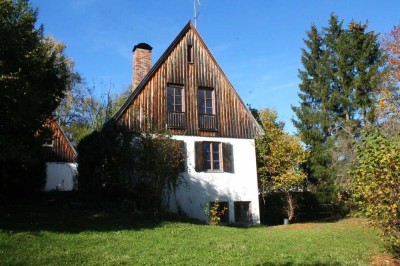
(341, 69)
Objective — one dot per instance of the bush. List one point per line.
(376, 185)
(122, 164)
(23, 175)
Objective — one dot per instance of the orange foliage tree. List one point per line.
(389, 93)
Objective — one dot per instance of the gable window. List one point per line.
(48, 142)
(190, 53)
(213, 156)
(206, 109)
(175, 107)
(242, 212)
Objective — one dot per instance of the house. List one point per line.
(187, 93)
(60, 156)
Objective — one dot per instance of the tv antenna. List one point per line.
(196, 14)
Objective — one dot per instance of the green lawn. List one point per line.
(64, 231)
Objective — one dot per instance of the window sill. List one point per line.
(213, 171)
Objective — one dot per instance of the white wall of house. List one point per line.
(204, 187)
(60, 176)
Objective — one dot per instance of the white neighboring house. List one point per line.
(60, 156)
(187, 93)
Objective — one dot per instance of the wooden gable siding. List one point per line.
(148, 110)
(61, 149)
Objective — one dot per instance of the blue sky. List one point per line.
(256, 42)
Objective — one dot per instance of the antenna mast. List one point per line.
(195, 13)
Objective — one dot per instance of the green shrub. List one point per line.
(118, 163)
(376, 185)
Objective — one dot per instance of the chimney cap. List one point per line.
(142, 45)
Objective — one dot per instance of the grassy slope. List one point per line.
(64, 233)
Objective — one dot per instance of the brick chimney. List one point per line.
(141, 63)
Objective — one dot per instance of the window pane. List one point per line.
(215, 147)
(170, 106)
(178, 92)
(178, 99)
(170, 91)
(208, 165)
(216, 166)
(209, 104)
(208, 156)
(206, 147)
(208, 94)
(178, 108)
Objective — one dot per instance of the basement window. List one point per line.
(242, 212)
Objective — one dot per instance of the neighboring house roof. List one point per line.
(256, 128)
(59, 148)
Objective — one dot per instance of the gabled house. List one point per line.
(60, 156)
(58, 148)
(187, 93)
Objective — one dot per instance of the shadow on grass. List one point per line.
(67, 212)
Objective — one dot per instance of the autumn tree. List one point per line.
(279, 156)
(34, 75)
(389, 91)
(376, 184)
(337, 99)
(85, 109)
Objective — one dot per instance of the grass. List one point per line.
(65, 231)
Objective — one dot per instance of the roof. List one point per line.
(163, 58)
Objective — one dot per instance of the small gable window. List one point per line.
(213, 156)
(190, 53)
(175, 106)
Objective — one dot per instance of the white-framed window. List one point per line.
(175, 106)
(213, 157)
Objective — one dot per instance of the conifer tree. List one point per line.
(337, 99)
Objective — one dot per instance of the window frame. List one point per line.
(202, 91)
(212, 152)
(242, 219)
(190, 54)
(226, 157)
(176, 87)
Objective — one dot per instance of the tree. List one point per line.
(376, 184)
(279, 156)
(84, 109)
(34, 74)
(341, 73)
(389, 91)
(122, 164)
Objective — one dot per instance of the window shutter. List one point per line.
(227, 153)
(199, 158)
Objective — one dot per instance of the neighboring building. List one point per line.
(60, 156)
(187, 93)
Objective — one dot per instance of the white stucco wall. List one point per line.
(202, 188)
(60, 176)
